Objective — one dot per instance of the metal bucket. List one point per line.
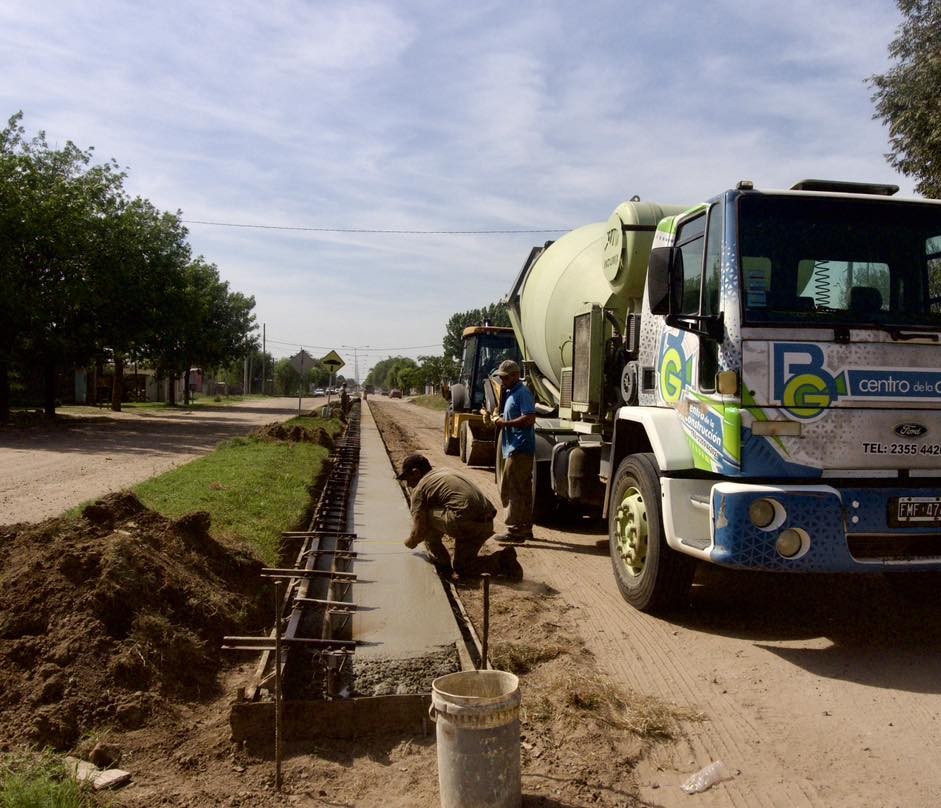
(478, 733)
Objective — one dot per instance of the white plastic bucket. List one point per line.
(478, 733)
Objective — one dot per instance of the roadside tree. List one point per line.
(51, 197)
(138, 252)
(906, 97)
(438, 370)
(453, 346)
(209, 325)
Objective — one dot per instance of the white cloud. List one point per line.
(426, 115)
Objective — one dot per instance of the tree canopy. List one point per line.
(495, 314)
(89, 274)
(906, 97)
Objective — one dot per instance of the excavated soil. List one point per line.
(105, 617)
(295, 434)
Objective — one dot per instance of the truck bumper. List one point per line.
(821, 528)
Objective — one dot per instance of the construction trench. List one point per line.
(365, 623)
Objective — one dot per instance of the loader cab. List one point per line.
(485, 347)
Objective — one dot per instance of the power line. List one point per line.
(381, 230)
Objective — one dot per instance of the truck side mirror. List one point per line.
(659, 281)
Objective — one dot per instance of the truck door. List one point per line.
(700, 242)
(691, 360)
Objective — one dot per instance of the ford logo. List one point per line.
(910, 430)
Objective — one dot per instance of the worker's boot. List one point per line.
(512, 538)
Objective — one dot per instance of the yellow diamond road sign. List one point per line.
(332, 362)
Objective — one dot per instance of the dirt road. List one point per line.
(817, 691)
(47, 469)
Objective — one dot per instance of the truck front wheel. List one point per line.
(651, 575)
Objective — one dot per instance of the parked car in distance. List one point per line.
(320, 392)
(395, 393)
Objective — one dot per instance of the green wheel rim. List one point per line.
(630, 525)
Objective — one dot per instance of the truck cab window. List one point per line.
(690, 240)
(701, 264)
(711, 284)
(711, 281)
(933, 258)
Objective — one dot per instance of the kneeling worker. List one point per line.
(445, 502)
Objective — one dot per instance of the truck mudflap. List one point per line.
(820, 528)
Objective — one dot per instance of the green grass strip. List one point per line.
(430, 402)
(253, 488)
(39, 782)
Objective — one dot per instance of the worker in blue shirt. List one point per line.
(519, 453)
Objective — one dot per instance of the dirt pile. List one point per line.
(103, 616)
(296, 434)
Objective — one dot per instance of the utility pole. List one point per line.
(263, 358)
(355, 368)
(300, 386)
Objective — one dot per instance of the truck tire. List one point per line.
(651, 575)
(450, 443)
(545, 503)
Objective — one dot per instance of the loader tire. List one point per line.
(450, 443)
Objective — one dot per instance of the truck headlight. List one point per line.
(791, 542)
(766, 513)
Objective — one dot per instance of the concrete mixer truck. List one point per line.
(753, 382)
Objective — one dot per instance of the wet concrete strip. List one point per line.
(410, 616)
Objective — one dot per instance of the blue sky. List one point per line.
(429, 116)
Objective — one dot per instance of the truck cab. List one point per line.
(772, 401)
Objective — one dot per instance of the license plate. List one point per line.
(917, 510)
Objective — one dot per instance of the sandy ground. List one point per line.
(47, 469)
(817, 690)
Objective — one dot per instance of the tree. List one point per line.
(906, 97)
(453, 345)
(438, 370)
(234, 372)
(209, 326)
(138, 251)
(394, 371)
(286, 378)
(50, 200)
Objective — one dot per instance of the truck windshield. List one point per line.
(841, 262)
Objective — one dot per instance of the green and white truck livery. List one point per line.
(753, 382)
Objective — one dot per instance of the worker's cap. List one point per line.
(414, 462)
(507, 367)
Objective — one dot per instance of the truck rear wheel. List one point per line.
(450, 443)
(651, 575)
